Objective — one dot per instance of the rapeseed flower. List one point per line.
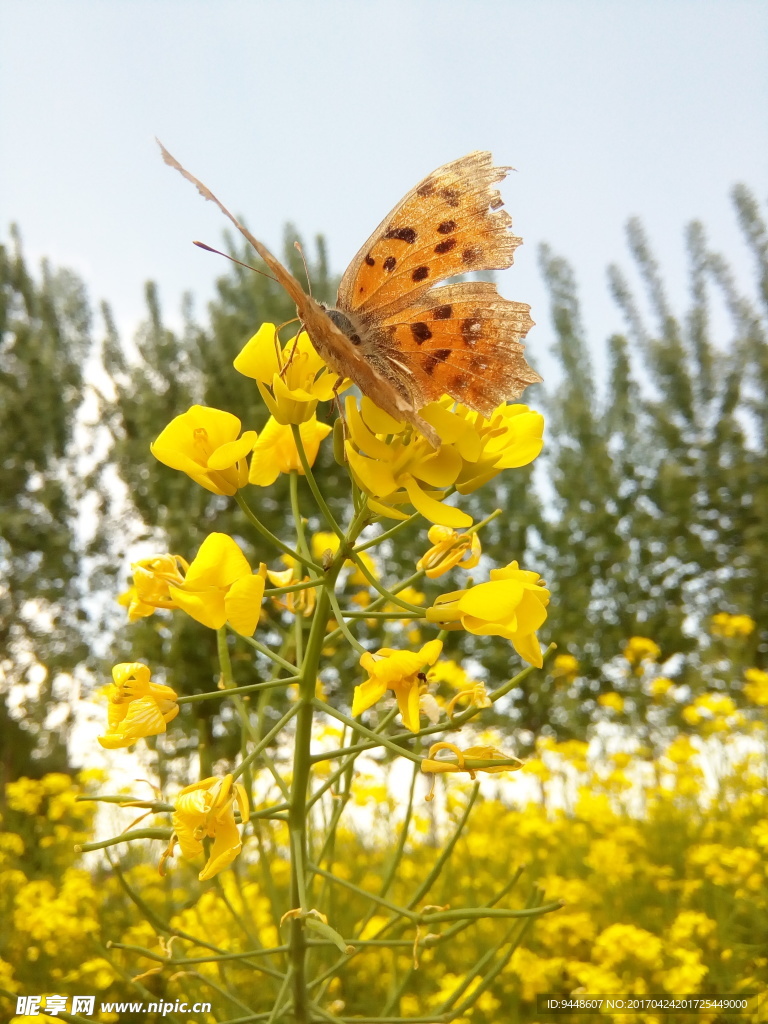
(730, 626)
(298, 602)
(220, 587)
(404, 672)
(449, 549)
(756, 687)
(137, 706)
(473, 696)
(275, 450)
(660, 686)
(205, 444)
(151, 579)
(513, 605)
(611, 700)
(400, 466)
(565, 667)
(291, 379)
(513, 436)
(207, 808)
(639, 649)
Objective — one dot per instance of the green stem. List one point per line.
(265, 741)
(277, 658)
(297, 815)
(271, 684)
(386, 534)
(322, 504)
(258, 525)
(339, 614)
(381, 741)
(369, 896)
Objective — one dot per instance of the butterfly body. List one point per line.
(398, 331)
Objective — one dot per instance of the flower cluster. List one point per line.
(397, 467)
(392, 470)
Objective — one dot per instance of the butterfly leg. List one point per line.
(340, 410)
(284, 369)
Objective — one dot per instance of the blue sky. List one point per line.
(325, 113)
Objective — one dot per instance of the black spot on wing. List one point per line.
(446, 246)
(431, 360)
(420, 273)
(451, 196)
(402, 234)
(442, 312)
(420, 332)
(370, 260)
(389, 264)
(446, 227)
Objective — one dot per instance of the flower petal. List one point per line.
(243, 604)
(435, 511)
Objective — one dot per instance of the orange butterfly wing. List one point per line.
(462, 339)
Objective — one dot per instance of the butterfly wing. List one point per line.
(465, 340)
(460, 339)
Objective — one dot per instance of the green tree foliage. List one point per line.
(45, 342)
(660, 517)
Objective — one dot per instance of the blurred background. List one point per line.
(639, 137)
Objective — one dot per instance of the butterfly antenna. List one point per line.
(297, 246)
(209, 248)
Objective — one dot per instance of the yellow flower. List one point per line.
(612, 700)
(207, 808)
(639, 649)
(566, 667)
(322, 542)
(400, 466)
(681, 750)
(204, 444)
(137, 706)
(151, 579)
(512, 437)
(275, 451)
(513, 605)
(431, 764)
(219, 587)
(691, 715)
(298, 602)
(396, 466)
(660, 686)
(727, 625)
(475, 695)
(452, 674)
(291, 379)
(449, 549)
(401, 671)
(756, 686)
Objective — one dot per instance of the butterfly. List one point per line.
(403, 337)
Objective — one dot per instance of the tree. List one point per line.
(45, 327)
(661, 517)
